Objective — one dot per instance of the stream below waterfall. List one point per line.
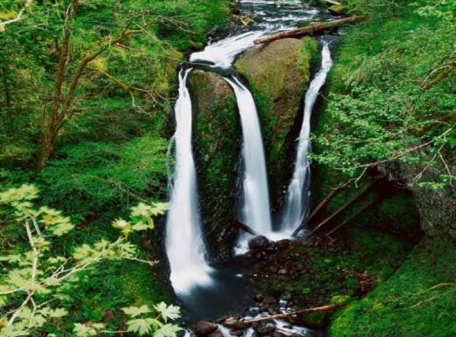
(207, 291)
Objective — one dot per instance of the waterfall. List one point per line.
(184, 242)
(297, 199)
(256, 210)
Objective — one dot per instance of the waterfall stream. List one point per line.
(297, 200)
(256, 207)
(184, 242)
(201, 286)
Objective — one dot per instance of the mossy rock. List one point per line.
(278, 74)
(338, 9)
(217, 148)
(315, 320)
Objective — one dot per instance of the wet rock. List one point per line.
(283, 244)
(264, 329)
(204, 328)
(216, 333)
(258, 298)
(278, 334)
(338, 9)
(234, 323)
(269, 300)
(287, 297)
(259, 242)
(221, 319)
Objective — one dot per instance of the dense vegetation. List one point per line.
(390, 108)
(85, 92)
(86, 88)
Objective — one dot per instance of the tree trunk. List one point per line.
(245, 228)
(363, 191)
(47, 148)
(322, 205)
(346, 221)
(316, 28)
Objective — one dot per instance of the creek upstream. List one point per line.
(209, 291)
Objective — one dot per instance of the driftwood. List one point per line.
(245, 228)
(297, 312)
(320, 206)
(309, 30)
(363, 191)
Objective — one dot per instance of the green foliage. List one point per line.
(379, 110)
(111, 153)
(419, 300)
(36, 284)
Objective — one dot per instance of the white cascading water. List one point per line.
(297, 200)
(184, 242)
(256, 209)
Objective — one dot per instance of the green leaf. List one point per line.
(167, 330)
(58, 312)
(136, 311)
(140, 326)
(160, 208)
(140, 226)
(167, 312)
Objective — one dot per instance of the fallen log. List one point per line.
(297, 312)
(245, 228)
(332, 2)
(320, 206)
(428, 127)
(309, 30)
(350, 218)
(363, 191)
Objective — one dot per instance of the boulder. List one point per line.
(259, 243)
(218, 138)
(264, 328)
(235, 323)
(338, 9)
(204, 328)
(216, 333)
(278, 74)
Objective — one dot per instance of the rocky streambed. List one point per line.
(291, 275)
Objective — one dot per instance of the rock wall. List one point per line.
(278, 74)
(218, 137)
(437, 207)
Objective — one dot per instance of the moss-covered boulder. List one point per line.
(338, 9)
(217, 147)
(278, 74)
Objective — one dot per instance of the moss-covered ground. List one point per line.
(418, 300)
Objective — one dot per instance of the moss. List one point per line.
(217, 146)
(142, 285)
(278, 74)
(419, 300)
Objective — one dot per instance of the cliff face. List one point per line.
(278, 75)
(437, 207)
(217, 148)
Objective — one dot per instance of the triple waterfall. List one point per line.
(185, 246)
